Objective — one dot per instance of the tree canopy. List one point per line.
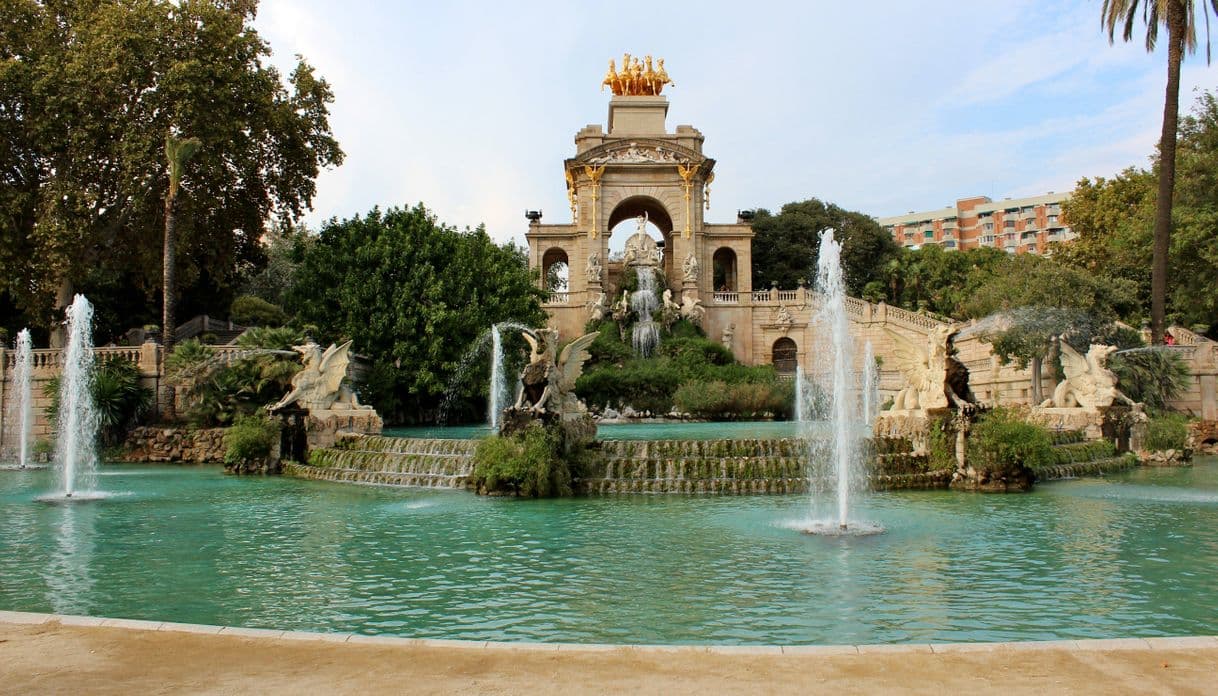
(1114, 219)
(415, 295)
(785, 245)
(88, 93)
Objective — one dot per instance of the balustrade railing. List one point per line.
(788, 295)
(761, 296)
(559, 298)
(726, 297)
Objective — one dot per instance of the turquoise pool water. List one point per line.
(1132, 555)
(630, 431)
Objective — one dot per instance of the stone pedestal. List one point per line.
(1090, 422)
(323, 427)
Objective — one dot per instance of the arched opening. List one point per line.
(555, 272)
(724, 263)
(785, 356)
(623, 222)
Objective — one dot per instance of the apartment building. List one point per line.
(1017, 225)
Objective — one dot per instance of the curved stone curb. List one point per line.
(1098, 644)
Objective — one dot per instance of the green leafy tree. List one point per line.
(1179, 17)
(1114, 219)
(785, 246)
(88, 91)
(415, 295)
(1031, 300)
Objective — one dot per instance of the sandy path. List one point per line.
(53, 658)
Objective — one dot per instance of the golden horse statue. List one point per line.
(636, 77)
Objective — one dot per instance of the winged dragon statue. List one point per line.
(322, 384)
(1089, 384)
(549, 378)
(935, 379)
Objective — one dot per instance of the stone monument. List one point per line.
(321, 390)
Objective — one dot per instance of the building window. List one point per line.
(930, 234)
(989, 227)
(1008, 223)
(1052, 219)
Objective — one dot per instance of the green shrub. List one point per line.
(119, 400)
(187, 359)
(1152, 376)
(1002, 440)
(218, 393)
(740, 400)
(249, 442)
(941, 444)
(1168, 431)
(527, 465)
(255, 311)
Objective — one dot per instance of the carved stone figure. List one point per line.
(641, 249)
(1089, 384)
(322, 384)
(621, 308)
(689, 269)
(784, 316)
(692, 309)
(549, 382)
(594, 270)
(924, 369)
(597, 308)
(728, 333)
(637, 155)
(670, 311)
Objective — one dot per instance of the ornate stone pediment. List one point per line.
(639, 151)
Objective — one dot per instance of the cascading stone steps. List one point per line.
(391, 461)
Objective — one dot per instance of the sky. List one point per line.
(471, 107)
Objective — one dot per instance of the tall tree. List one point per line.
(415, 295)
(88, 91)
(177, 152)
(785, 245)
(1179, 16)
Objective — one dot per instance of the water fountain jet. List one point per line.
(20, 416)
(76, 447)
(847, 398)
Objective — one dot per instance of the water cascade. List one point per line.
(646, 335)
(20, 416)
(843, 397)
(498, 396)
(75, 448)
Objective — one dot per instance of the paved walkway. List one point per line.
(40, 653)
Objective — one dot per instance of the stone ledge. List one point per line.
(1081, 645)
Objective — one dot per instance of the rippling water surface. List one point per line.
(1134, 554)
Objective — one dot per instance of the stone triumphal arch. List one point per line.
(635, 168)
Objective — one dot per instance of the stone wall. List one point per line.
(199, 446)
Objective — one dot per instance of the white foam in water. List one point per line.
(76, 446)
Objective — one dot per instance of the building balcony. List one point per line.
(726, 297)
(558, 298)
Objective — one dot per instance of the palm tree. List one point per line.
(1179, 16)
(177, 151)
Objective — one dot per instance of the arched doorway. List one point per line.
(724, 262)
(555, 274)
(785, 356)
